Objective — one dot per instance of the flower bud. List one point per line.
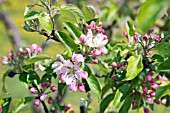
(72, 111)
(83, 39)
(152, 80)
(78, 58)
(100, 24)
(73, 86)
(86, 25)
(152, 94)
(37, 103)
(149, 100)
(95, 61)
(66, 108)
(43, 84)
(39, 49)
(159, 77)
(53, 88)
(84, 75)
(166, 14)
(158, 102)
(152, 73)
(33, 90)
(34, 46)
(27, 50)
(48, 84)
(102, 31)
(154, 86)
(114, 77)
(81, 87)
(144, 94)
(92, 25)
(43, 97)
(148, 78)
(146, 110)
(50, 101)
(134, 104)
(103, 51)
(120, 64)
(136, 37)
(96, 52)
(145, 89)
(145, 37)
(125, 34)
(114, 64)
(163, 101)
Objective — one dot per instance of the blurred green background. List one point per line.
(114, 18)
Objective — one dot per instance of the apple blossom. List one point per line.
(81, 87)
(43, 97)
(37, 103)
(33, 90)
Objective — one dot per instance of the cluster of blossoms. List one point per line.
(29, 51)
(70, 71)
(67, 108)
(94, 40)
(42, 94)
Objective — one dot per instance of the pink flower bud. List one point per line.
(84, 75)
(164, 79)
(149, 100)
(96, 52)
(114, 64)
(159, 77)
(50, 101)
(154, 86)
(4, 60)
(145, 89)
(100, 24)
(114, 77)
(48, 84)
(152, 73)
(81, 87)
(0, 109)
(33, 90)
(95, 61)
(136, 37)
(120, 64)
(158, 38)
(164, 101)
(72, 111)
(125, 34)
(83, 39)
(145, 37)
(27, 50)
(158, 102)
(9, 58)
(92, 25)
(166, 14)
(152, 80)
(148, 78)
(134, 104)
(34, 46)
(43, 97)
(86, 25)
(73, 86)
(144, 94)
(103, 51)
(78, 58)
(146, 110)
(43, 84)
(66, 108)
(37, 103)
(152, 94)
(53, 88)
(39, 49)
(102, 31)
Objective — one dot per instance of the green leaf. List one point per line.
(46, 22)
(126, 105)
(28, 7)
(130, 29)
(46, 78)
(74, 9)
(75, 31)
(162, 90)
(68, 16)
(157, 57)
(135, 66)
(5, 104)
(61, 88)
(31, 16)
(3, 80)
(163, 49)
(37, 58)
(66, 40)
(27, 78)
(88, 12)
(22, 103)
(94, 85)
(149, 12)
(122, 93)
(164, 66)
(105, 102)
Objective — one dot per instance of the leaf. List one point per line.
(68, 16)
(3, 80)
(126, 105)
(46, 78)
(66, 40)
(163, 49)
(74, 9)
(94, 85)
(162, 90)
(157, 57)
(164, 66)
(75, 31)
(61, 88)
(149, 12)
(130, 29)
(105, 102)
(37, 58)
(5, 104)
(22, 103)
(135, 66)
(88, 12)
(46, 22)
(122, 93)
(31, 16)
(28, 7)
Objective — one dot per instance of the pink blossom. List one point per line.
(164, 101)
(95, 61)
(53, 88)
(43, 97)
(78, 58)
(149, 100)
(158, 102)
(50, 101)
(48, 84)
(81, 87)
(114, 64)
(134, 104)
(148, 78)
(152, 73)
(120, 64)
(92, 25)
(159, 77)
(136, 37)
(146, 110)
(96, 52)
(66, 108)
(34, 47)
(33, 90)
(1, 109)
(27, 50)
(154, 86)
(86, 25)
(82, 74)
(37, 103)
(145, 89)
(103, 51)
(100, 24)
(145, 37)
(166, 14)
(63, 78)
(4, 60)
(114, 77)
(73, 86)
(152, 94)
(125, 34)
(83, 39)
(39, 49)
(144, 94)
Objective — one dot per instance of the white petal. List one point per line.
(69, 63)
(69, 79)
(56, 64)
